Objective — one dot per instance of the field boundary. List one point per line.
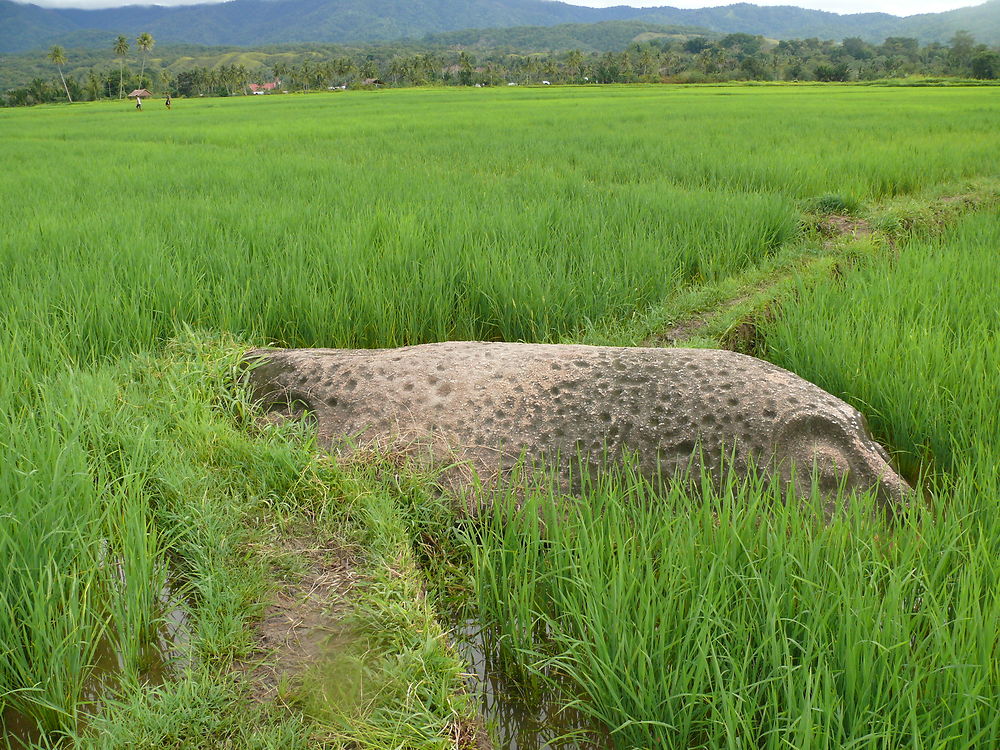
(730, 314)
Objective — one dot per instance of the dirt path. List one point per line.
(837, 235)
(305, 621)
(760, 300)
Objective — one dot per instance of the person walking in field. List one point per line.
(168, 102)
(138, 103)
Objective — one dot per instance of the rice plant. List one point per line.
(415, 216)
(916, 346)
(733, 618)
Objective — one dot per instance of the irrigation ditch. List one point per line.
(515, 716)
(163, 657)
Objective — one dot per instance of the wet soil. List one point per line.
(836, 226)
(518, 719)
(305, 620)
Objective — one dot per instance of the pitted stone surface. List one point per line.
(491, 403)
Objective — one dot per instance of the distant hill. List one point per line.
(261, 22)
(24, 27)
(781, 22)
(586, 37)
(983, 21)
(18, 68)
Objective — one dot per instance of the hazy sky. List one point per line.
(896, 7)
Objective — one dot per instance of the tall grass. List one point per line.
(311, 248)
(112, 472)
(51, 579)
(371, 220)
(733, 619)
(348, 220)
(917, 347)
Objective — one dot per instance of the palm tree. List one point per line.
(279, 70)
(167, 81)
(121, 49)
(574, 64)
(57, 56)
(145, 43)
(94, 87)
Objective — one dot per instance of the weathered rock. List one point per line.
(490, 403)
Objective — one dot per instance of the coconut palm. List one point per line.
(57, 56)
(121, 49)
(574, 64)
(145, 43)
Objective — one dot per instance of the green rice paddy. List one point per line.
(143, 252)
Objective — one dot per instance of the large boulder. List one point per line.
(487, 405)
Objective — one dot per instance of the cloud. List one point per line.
(94, 4)
(896, 7)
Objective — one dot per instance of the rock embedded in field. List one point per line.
(488, 404)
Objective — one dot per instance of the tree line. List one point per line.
(94, 86)
(670, 59)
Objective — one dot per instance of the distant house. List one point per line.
(139, 93)
(260, 88)
(373, 82)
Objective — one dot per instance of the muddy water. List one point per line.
(20, 730)
(17, 730)
(160, 658)
(516, 720)
(169, 654)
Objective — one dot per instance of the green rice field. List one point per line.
(151, 519)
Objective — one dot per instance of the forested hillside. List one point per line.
(261, 22)
(477, 58)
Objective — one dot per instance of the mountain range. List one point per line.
(25, 27)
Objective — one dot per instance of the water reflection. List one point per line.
(18, 731)
(160, 658)
(516, 720)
